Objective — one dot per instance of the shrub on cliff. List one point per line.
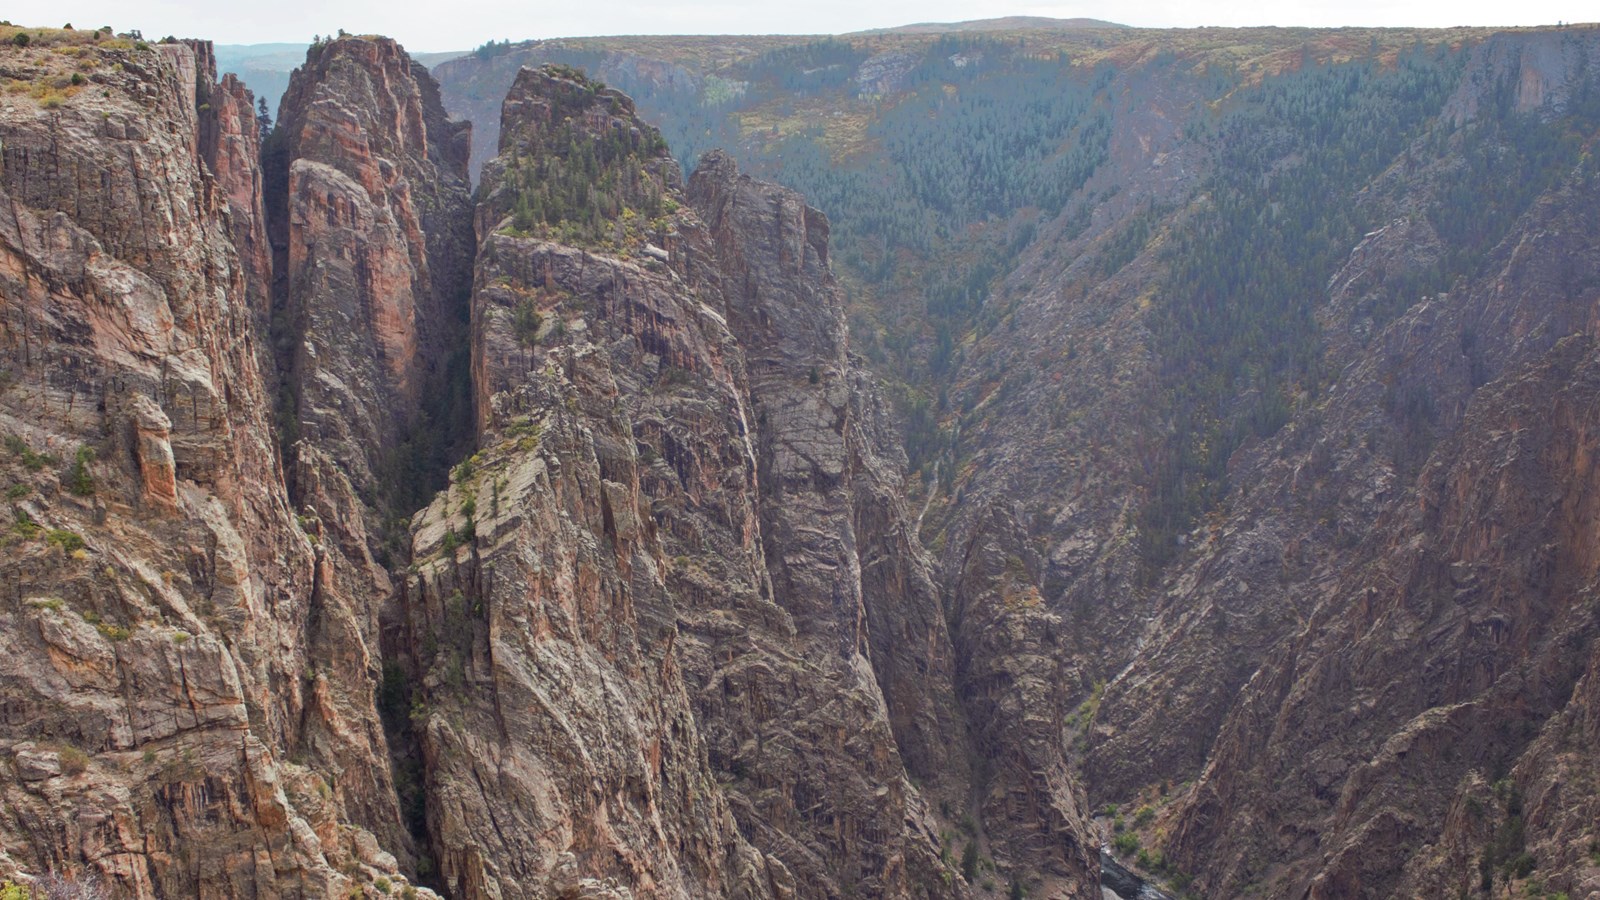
(79, 480)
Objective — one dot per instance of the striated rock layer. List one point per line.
(372, 227)
(554, 544)
(183, 711)
(667, 633)
(673, 633)
(845, 568)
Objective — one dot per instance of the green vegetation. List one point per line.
(396, 703)
(1506, 854)
(79, 479)
(526, 321)
(67, 540)
(578, 185)
(59, 62)
(913, 204)
(490, 49)
(1235, 326)
(920, 189)
(30, 460)
(1508, 158)
(23, 526)
(987, 126)
(420, 467)
(1247, 272)
(1128, 243)
(969, 862)
(1156, 863)
(448, 655)
(73, 761)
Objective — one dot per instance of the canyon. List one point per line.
(1175, 446)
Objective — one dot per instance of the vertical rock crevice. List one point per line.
(181, 723)
(370, 220)
(369, 211)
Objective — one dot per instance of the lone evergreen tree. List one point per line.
(263, 118)
(969, 862)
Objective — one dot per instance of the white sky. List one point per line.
(424, 25)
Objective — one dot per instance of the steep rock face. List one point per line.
(671, 632)
(845, 566)
(372, 224)
(158, 677)
(1038, 551)
(610, 691)
(1331, 658)
(1448, 646)
(1244, 664)
(473, 87)
(1079, 661)
(684, 514)
(563, 757)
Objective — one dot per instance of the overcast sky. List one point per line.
(461, 24)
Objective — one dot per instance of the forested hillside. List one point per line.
(1006, 459)
(938, 155)
(1152, 308)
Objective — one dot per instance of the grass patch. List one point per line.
(73, 761)
(24, 526)
(24, 454)
(70, 541)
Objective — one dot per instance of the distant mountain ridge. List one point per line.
(1002, 23)
(265, 68)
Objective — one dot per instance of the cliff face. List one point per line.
(562, 754)
(372, 227)
(1443, 658)
(1210, 492)
(1351, 675)
(669, 632)
(680, 516)
(166, 725)
(556, 543)
(846, 569)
